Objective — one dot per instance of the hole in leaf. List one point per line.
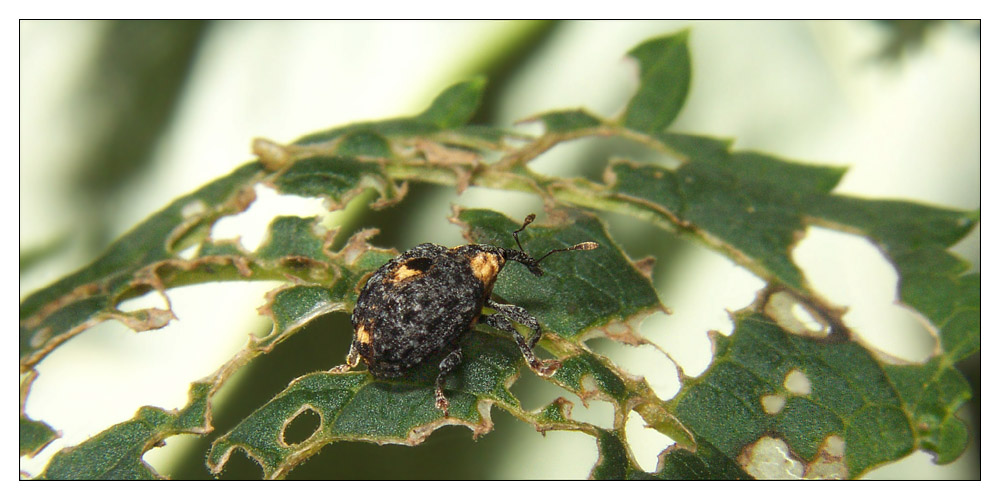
(700, 288)
(163, 459)
(241, 467)
(189, 252)
(646, 443)
(850, 271)
(148, 300)
(769, 458)
(302, 426)
(829, 462)
(536, 392)
(644, 360)
(773, 403)
(153, 368)
(797, 383)
(588, 156)
(250, 226)
(794, 317)
(596, 412)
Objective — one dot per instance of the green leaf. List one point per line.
(613, 461)
(587, 372)
(573, 120)
(664, 76)
(385, 128)
(337, 179)
(55, 313)
(932, 393)
(754, 208)
(706, 463)
(356, 407)
(581, 291)
(364, 143)
(880, 411)
(751, 204)
(456, 105)
(116, 453)
(916, 239)
(292, 237)
(450, 110)
(34, 435)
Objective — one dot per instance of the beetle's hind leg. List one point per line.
(449, 363)
(501, 321)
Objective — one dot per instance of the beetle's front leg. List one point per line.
(500, 321)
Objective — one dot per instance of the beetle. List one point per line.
(422, 303)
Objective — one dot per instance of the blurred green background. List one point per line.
(117, 118)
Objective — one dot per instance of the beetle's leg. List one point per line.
(449, 363)
(517, 313)
(352, 360)
(500, 321)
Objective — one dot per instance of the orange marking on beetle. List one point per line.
(485, 266)
(403, 272)
(362, 335)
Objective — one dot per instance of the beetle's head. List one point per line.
(530, 262)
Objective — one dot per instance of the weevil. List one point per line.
(421, 303)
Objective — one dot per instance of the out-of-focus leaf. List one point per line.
(148, 257)
(292, 237)
(337, 179)
(55, 313)
(451, 109)
(33, 436)
(456, 105)
(664, 76)
(568, 121)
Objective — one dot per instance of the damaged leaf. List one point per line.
(838, 406)
(356, 407)
(116, 453)
(847, 393)
(337, 179)
(53, 314)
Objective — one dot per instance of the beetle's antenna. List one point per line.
(586, 245)
(527, 220)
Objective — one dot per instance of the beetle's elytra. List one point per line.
(422, 302)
